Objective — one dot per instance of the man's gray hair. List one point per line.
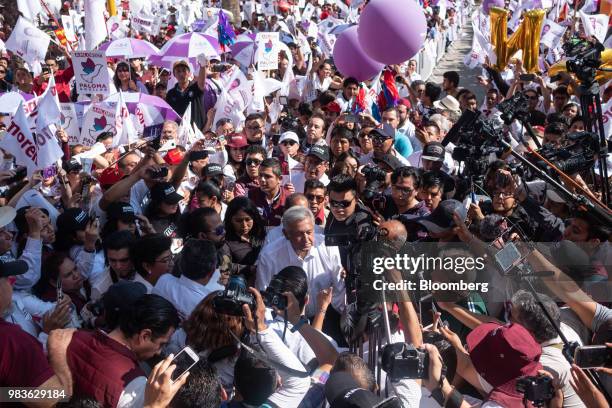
(173, 123)
(532, 317)
(296, 214)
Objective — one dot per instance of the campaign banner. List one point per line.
(142, 23)
(28, 42)
(90, 72)
(98, 119)
(267, 51)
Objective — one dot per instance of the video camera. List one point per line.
(577, 156)
(538, 389)
(583, 58)
(375, 179)
(402, 360)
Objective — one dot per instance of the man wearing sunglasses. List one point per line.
(382, 139)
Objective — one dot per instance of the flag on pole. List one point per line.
(95, 25)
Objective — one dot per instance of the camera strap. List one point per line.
(263, 357)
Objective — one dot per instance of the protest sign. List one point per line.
(142, 23)
(98, 119)
(267, 50)
(268, 7)
(90, 72)
(551, 33)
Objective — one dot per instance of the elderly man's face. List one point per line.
(169, 132)
(301, 235)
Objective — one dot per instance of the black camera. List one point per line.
(536, 389)
(230, 301)
(158, 174)
(583, 58)
(273, 295)
(402, 360)
(375, 179)
(575, 157)
(220, 67)
(289, 123)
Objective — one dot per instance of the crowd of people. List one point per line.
(245, 244)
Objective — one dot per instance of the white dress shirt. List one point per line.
(322, 266)
(184, 293)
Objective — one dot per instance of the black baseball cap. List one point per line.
(13, 268)
(433, 151)
(72, 219)
(441, 219)
(320, 152)
(342, 391)
(388, 159)
(165, 192)
(385, 131)
(120, 211)
(212, 169)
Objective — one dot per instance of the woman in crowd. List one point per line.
(163, 209)
(126, 80)
(60, 270)
(245, 232)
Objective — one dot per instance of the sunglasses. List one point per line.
(340, 203)
(288, 142)
(380, 139)
(253, 162)
(2, 72)
(313, 197)
(256, 127)
(403, 190)
(365, 135)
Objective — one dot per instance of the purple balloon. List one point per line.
(350, 58)
(487, 4)
(392, 31)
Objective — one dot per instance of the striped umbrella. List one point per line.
(244, 49)
(129, 48)
(190, 45)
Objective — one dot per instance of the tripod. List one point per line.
(590, 105)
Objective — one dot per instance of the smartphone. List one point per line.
(184, 360)
(161, 173)
(275, 138)
(527, 77)
(507, 256)
(593, 356)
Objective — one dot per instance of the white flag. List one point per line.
(19, 141)
(95, 25)
(595, 25)
(125, 132)
(186, 135)
(28, 42)
(29, 8)
(49, 111)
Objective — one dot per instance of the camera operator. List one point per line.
(347, 215)
(405, 185)
(509, 199)
(382, 140)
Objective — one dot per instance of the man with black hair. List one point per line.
(203, 223)
(199, 276)
(120, 267)
(208, 194)
(450, 83)
(347, 214)
(432, 190)
(315, 131)
(254, 129)
(106, 366)
(555, 133)
(403, 201)
(270, 196)
(427, 98)
(315, 192)
(347, 98)
(202, 388)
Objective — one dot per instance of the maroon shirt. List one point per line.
(270, 213)
(22, 360)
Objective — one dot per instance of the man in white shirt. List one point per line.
(199, 277)
(304, 249)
